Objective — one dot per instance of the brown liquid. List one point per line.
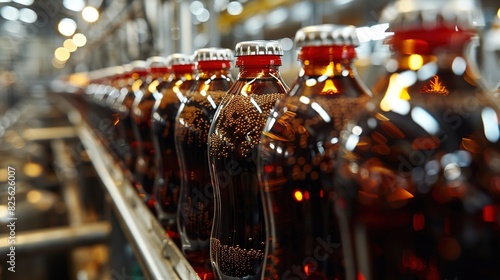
(240, 125)
(195, 214)
(238, 234)
(125, 138)
(144, 168)
(235, 262)
(419, 197)
(197, 115)
(167, 182)
(296, 161)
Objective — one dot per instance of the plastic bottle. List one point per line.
(141, 111)
(418, 173)
(196, 202)
(296, 159)
(238, 234)
(169, 96)
(134, 75)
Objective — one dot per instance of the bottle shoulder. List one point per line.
(431, 125)
(258, 86)
(208, 94)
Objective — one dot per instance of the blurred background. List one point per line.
(68, 229)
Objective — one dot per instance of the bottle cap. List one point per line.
(326, 35)
(208, 54)
(139, 65)
(127, 67)
(258, 47)
(179, 59)
(156, 62)
(408, 14)
(102, 73)
(113, 71)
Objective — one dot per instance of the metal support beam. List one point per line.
(227, 21)
(56, 239)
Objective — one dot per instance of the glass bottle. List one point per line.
(135, 74)
(114, 127)
(142, 109)
(418, 173)
(170, 94)
(120, 119)
(295, 163)
(196, 205)
(100, 78)
(238, 238)
(103, 121)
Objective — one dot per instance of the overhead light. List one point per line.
(79, 39)
(74, 5)
(196, 7)
(90, 14)
(9, 13)
(255, 24)
(234, 8)
(24, 2)
(69, 45)
(204, 16)
(277, 16)
(27, 15)
(220, 5)
(5, 1)
(301, 11)
(61, 54)
(286, 44)
(67, 27)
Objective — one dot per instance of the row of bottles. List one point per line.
(325, 179)
(238, 240)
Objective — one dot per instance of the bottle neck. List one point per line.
(436, 64)
(207, 69)
(258, 66)
(186, 71)
(158, 72)
(326, 60)
(428, 41)
(447, 48)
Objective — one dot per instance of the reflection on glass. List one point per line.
(169, 96)
(418, 187)
(238, 239)
(297, 152)
(196, 199)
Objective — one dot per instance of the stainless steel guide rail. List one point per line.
(157, 254)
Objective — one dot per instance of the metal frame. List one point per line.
(156, 252)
